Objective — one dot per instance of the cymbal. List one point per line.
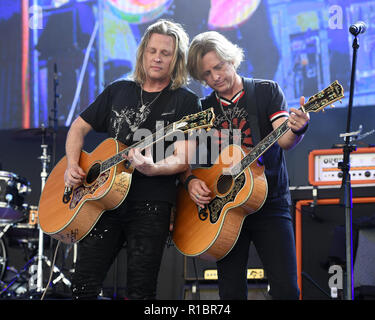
(32, 133)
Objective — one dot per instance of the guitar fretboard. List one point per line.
(317, 102)
(143, 144)
(259, 149)
(202, 119)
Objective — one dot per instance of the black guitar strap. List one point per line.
(252, 109)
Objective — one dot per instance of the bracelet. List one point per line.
(188, 179)
(302, 131)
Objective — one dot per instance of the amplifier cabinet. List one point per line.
(314, 230)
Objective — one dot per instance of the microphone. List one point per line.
(357, 28)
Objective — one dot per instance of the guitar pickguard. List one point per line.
(83, 190)
(216, 205)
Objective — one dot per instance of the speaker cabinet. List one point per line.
(201, 278)
(316, 231)
(210, 291)
(198, 269)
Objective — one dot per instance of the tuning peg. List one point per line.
(323, 110)
(332, 105)
(208, 129)
(340, 101)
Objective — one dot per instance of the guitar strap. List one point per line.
(252, 109)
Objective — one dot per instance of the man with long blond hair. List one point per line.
(249, 109)
(123, 109)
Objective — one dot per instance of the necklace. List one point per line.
(148, 104)
(223, 112)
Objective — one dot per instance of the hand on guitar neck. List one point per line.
(297, 122)
(143, 163)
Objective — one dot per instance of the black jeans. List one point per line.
(143, 227)
(273, 237)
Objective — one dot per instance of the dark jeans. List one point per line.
(271, 231)
(143, 227)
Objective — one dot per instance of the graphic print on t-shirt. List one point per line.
(132, 117)
(238, 116)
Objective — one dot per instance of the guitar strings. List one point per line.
(278, 133)
(114, 160)
(109, 163)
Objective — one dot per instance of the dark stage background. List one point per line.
(303, 45)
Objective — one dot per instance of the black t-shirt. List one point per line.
(119, 112)
(271, 106)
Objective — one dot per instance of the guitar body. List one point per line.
(70, 222)
(213, 233)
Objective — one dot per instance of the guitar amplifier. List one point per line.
(323, 166)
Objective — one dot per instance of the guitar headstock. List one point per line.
(200, 120)
(327, 96)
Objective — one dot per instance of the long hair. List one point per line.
(178, 71)
(211, 41)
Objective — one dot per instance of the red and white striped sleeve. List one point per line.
(278, 114)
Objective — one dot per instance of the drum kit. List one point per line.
(19, 227)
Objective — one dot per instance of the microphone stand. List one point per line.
(346, 189)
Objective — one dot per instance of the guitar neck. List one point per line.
(269, 140)
(334, 92)
(142, 144)
(202, 119)
(260, 149)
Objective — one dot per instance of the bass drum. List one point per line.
(13, 190)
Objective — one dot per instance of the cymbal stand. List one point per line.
(45, 159)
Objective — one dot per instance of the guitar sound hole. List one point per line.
(93, 173)
(224, 183)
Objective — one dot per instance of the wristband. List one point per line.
(302, 131)
(188, 179)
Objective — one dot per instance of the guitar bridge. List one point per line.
(67, 193)
(202, 213)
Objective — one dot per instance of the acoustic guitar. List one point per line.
(69, 215)
(238, 187)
